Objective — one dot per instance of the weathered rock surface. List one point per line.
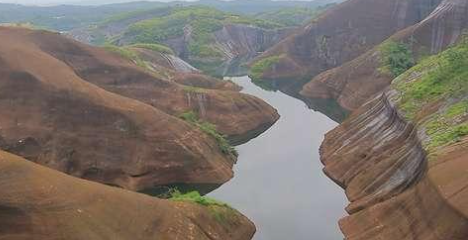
(57, 119)
(352, 83)
(42, 204)
(342, 33)
(235, 114)
(395, 194)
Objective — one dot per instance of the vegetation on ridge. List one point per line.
(258, 69)
(440, 80)
(195, 197)
(397, 57)
(210, 129)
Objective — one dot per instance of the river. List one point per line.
(279, 183)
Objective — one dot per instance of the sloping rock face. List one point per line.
(394, 194)
(356, 81)
(402, 156)
(43, 204)
(123, 77)
(57, 119)
(242, 40)
(342, 33)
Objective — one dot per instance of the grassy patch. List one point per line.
(192, 89)
(200, 21)
(257, 70)
(210, 129)
(195, 197)
(397, 57)
(440, 78)
(126, 53)
(154, 47)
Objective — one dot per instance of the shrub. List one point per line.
(210, 129)
(397, 57)
(257, 70)
(195, 197)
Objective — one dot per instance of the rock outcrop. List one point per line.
(395, 194)
(121, 76)
(43, 204)
(59, 118)
(352, 83)
(402, 156)
(341, 34)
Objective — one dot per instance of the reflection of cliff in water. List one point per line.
(329, 107)
(237, 66)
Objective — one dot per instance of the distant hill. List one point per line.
(83, 13)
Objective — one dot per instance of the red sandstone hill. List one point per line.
(342, 33)
(42, 204)
(57, 117)
(354, 82)
(235, 114)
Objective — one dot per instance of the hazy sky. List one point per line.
(82, 2)
(87, 2)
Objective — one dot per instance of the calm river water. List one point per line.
(279, 183)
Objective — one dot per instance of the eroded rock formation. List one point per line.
(342, 33)
(352, 83)
(121, 76)
(43, 204)
(59, 118)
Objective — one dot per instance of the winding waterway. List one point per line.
(279, 183)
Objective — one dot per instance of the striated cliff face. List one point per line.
(60, 117)
(121, 76)
(57, 119)
(342, 33)
(402, 156)
(352, 83)
(43, 204)
(395, 194)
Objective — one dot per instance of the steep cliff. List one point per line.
(341, 34)
(160, 89)
(402, 156)
(211, 40)
(57, 117)
(43, 204)
(356, 81)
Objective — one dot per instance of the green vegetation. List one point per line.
(203, 22)
(210, 129)
(258, 68)
(126, 53)
(154, 47)
(192, 89)
(293, 16)
(195, 197)
(397, 57)
(442, 78)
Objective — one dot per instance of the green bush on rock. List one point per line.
(397, 57)
(258, 69)
(210, 129)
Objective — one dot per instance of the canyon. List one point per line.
(403, 172)
(111, 125)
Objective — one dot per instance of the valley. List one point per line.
(235, 120)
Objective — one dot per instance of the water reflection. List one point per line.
(279, 183)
